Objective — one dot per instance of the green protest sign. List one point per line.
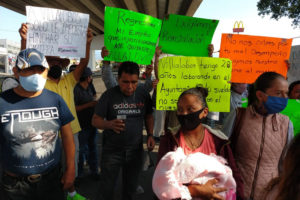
(187, 36)
(130, 36)
(292, 110)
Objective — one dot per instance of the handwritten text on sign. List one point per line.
(294, 70)
(253, 55)
(187, 36)
(130, 36)
(57, 32)
(177, 74)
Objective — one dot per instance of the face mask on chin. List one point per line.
(190, 121)
(32, 83)
(55, 72)
(275, 104)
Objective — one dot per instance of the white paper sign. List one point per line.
(57, 32)
(294, 71)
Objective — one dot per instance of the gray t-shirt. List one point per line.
(113, 103)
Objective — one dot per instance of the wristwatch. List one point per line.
(149, 134)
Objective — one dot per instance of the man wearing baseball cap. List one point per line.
(64, 86)
(85, 102)
(31, 118)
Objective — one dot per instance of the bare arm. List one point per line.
(210, 50)
(206, 191)
(149, 121)
(156, 59)
(69, 149)
(23, 34)
(85, 106)
(84, 61)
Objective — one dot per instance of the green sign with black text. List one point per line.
(187, 36)
(130, 36)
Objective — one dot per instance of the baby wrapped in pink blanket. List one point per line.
(175, 170)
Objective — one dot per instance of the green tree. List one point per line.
(280, 8)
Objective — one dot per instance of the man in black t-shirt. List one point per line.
(121, 112)
(85, 105)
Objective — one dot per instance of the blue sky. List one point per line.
(227, 11)
(10, 23)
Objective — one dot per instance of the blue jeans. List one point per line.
(49, 187)
(113, 159)
(88, 150)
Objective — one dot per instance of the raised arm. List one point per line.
(156, 59)
(84, 61)
(107, 75)
(148, 81)
(210, 50)
(23, 34)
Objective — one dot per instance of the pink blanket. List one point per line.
(175, 170)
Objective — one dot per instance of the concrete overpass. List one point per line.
(95, 8)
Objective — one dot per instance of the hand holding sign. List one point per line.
(89, 36)
(23, 31)
(104, 52)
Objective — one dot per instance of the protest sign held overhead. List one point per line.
(57, 32)
(294, 70)
(177, 74)
(187, 36)
(130, 36)
(253, 55)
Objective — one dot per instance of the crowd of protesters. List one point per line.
(50, 123)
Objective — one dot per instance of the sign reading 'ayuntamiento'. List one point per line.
(177, 74)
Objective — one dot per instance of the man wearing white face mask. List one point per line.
(31, 118)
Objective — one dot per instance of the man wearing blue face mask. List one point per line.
(64, 86)
(31, 118)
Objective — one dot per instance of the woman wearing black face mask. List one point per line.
(193, 136)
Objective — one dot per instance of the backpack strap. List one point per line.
(240, 115)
